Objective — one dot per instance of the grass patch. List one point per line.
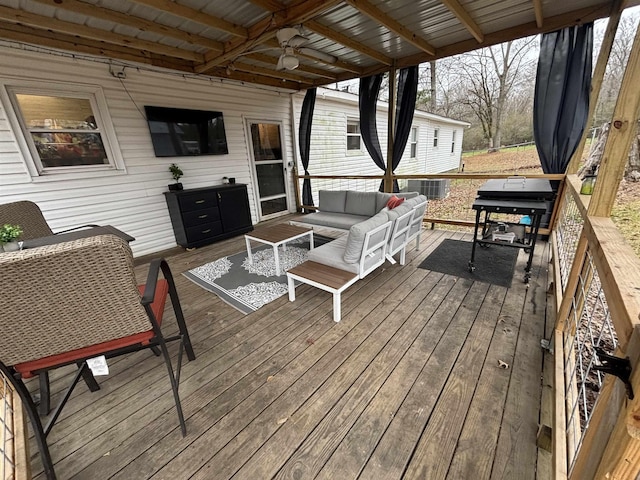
(626, 216)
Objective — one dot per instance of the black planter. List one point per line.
(175, 186)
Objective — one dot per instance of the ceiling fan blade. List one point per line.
(325, 57)
(280, 65)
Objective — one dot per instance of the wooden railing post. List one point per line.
(623, 130)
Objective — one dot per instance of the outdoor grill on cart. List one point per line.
(514, 195)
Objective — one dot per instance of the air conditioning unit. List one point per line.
(432, 189)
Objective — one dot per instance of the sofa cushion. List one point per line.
(408, 195)
(416, 200)
(381, 200)
(361, 203)
(343, 221)
(398, 211)
(355, 239)
(332, 201)
(331, 254)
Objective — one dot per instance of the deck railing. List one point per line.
(597, 277)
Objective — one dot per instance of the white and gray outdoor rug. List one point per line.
(248, 287)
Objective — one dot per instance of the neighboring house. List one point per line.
(434, 144)
(101, 168)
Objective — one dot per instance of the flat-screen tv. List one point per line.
(177, 132)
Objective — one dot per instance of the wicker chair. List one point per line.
(68, 302)
(29, 216)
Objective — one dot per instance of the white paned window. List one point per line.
(453, 142)
(414, 142)
(64, 130)
(435, 136)
(353, 135)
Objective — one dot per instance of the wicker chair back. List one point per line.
(67, 296)
(28, 215)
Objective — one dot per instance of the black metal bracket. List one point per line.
(620, 367)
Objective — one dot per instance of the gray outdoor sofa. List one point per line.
(376, 233)
(342, 209)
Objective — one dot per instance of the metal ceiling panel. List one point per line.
(429, 20)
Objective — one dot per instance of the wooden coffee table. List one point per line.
(276, 236)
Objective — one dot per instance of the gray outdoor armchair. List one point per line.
(72, 301)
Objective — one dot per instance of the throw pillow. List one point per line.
(394, 202)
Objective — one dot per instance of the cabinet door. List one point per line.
(234, 209)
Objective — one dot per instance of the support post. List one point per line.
(623, 129)
(596, 80)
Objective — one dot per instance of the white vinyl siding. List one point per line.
(133, 200)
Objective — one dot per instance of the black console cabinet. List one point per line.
(201, 216)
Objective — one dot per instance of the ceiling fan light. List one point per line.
(290, 62)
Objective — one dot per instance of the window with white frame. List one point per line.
(414, 142)
(353, 135)
(436, 131)
(453, 142)
(64, 130)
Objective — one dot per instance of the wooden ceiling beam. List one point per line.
(466, 20)
(139, 23)
(270, 5)
(537, 8)
(347, 41)
(70, 43)
(373, 12)
(257, 79)
(266, 29)
(269, 60)
(26, 18)
(175, 8)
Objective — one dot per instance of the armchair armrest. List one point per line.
(91, 225)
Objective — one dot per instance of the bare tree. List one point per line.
(490, 75)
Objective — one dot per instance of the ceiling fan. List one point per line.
(291, 41)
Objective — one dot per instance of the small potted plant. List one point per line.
(176, 173)
(8, 236)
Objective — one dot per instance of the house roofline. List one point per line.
(351, 99)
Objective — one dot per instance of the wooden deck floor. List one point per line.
(407, 385)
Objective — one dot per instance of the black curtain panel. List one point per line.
(304, 139)
(368, 97)
(561, 102)
(405, 107)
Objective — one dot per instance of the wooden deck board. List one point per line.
(407, 385)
